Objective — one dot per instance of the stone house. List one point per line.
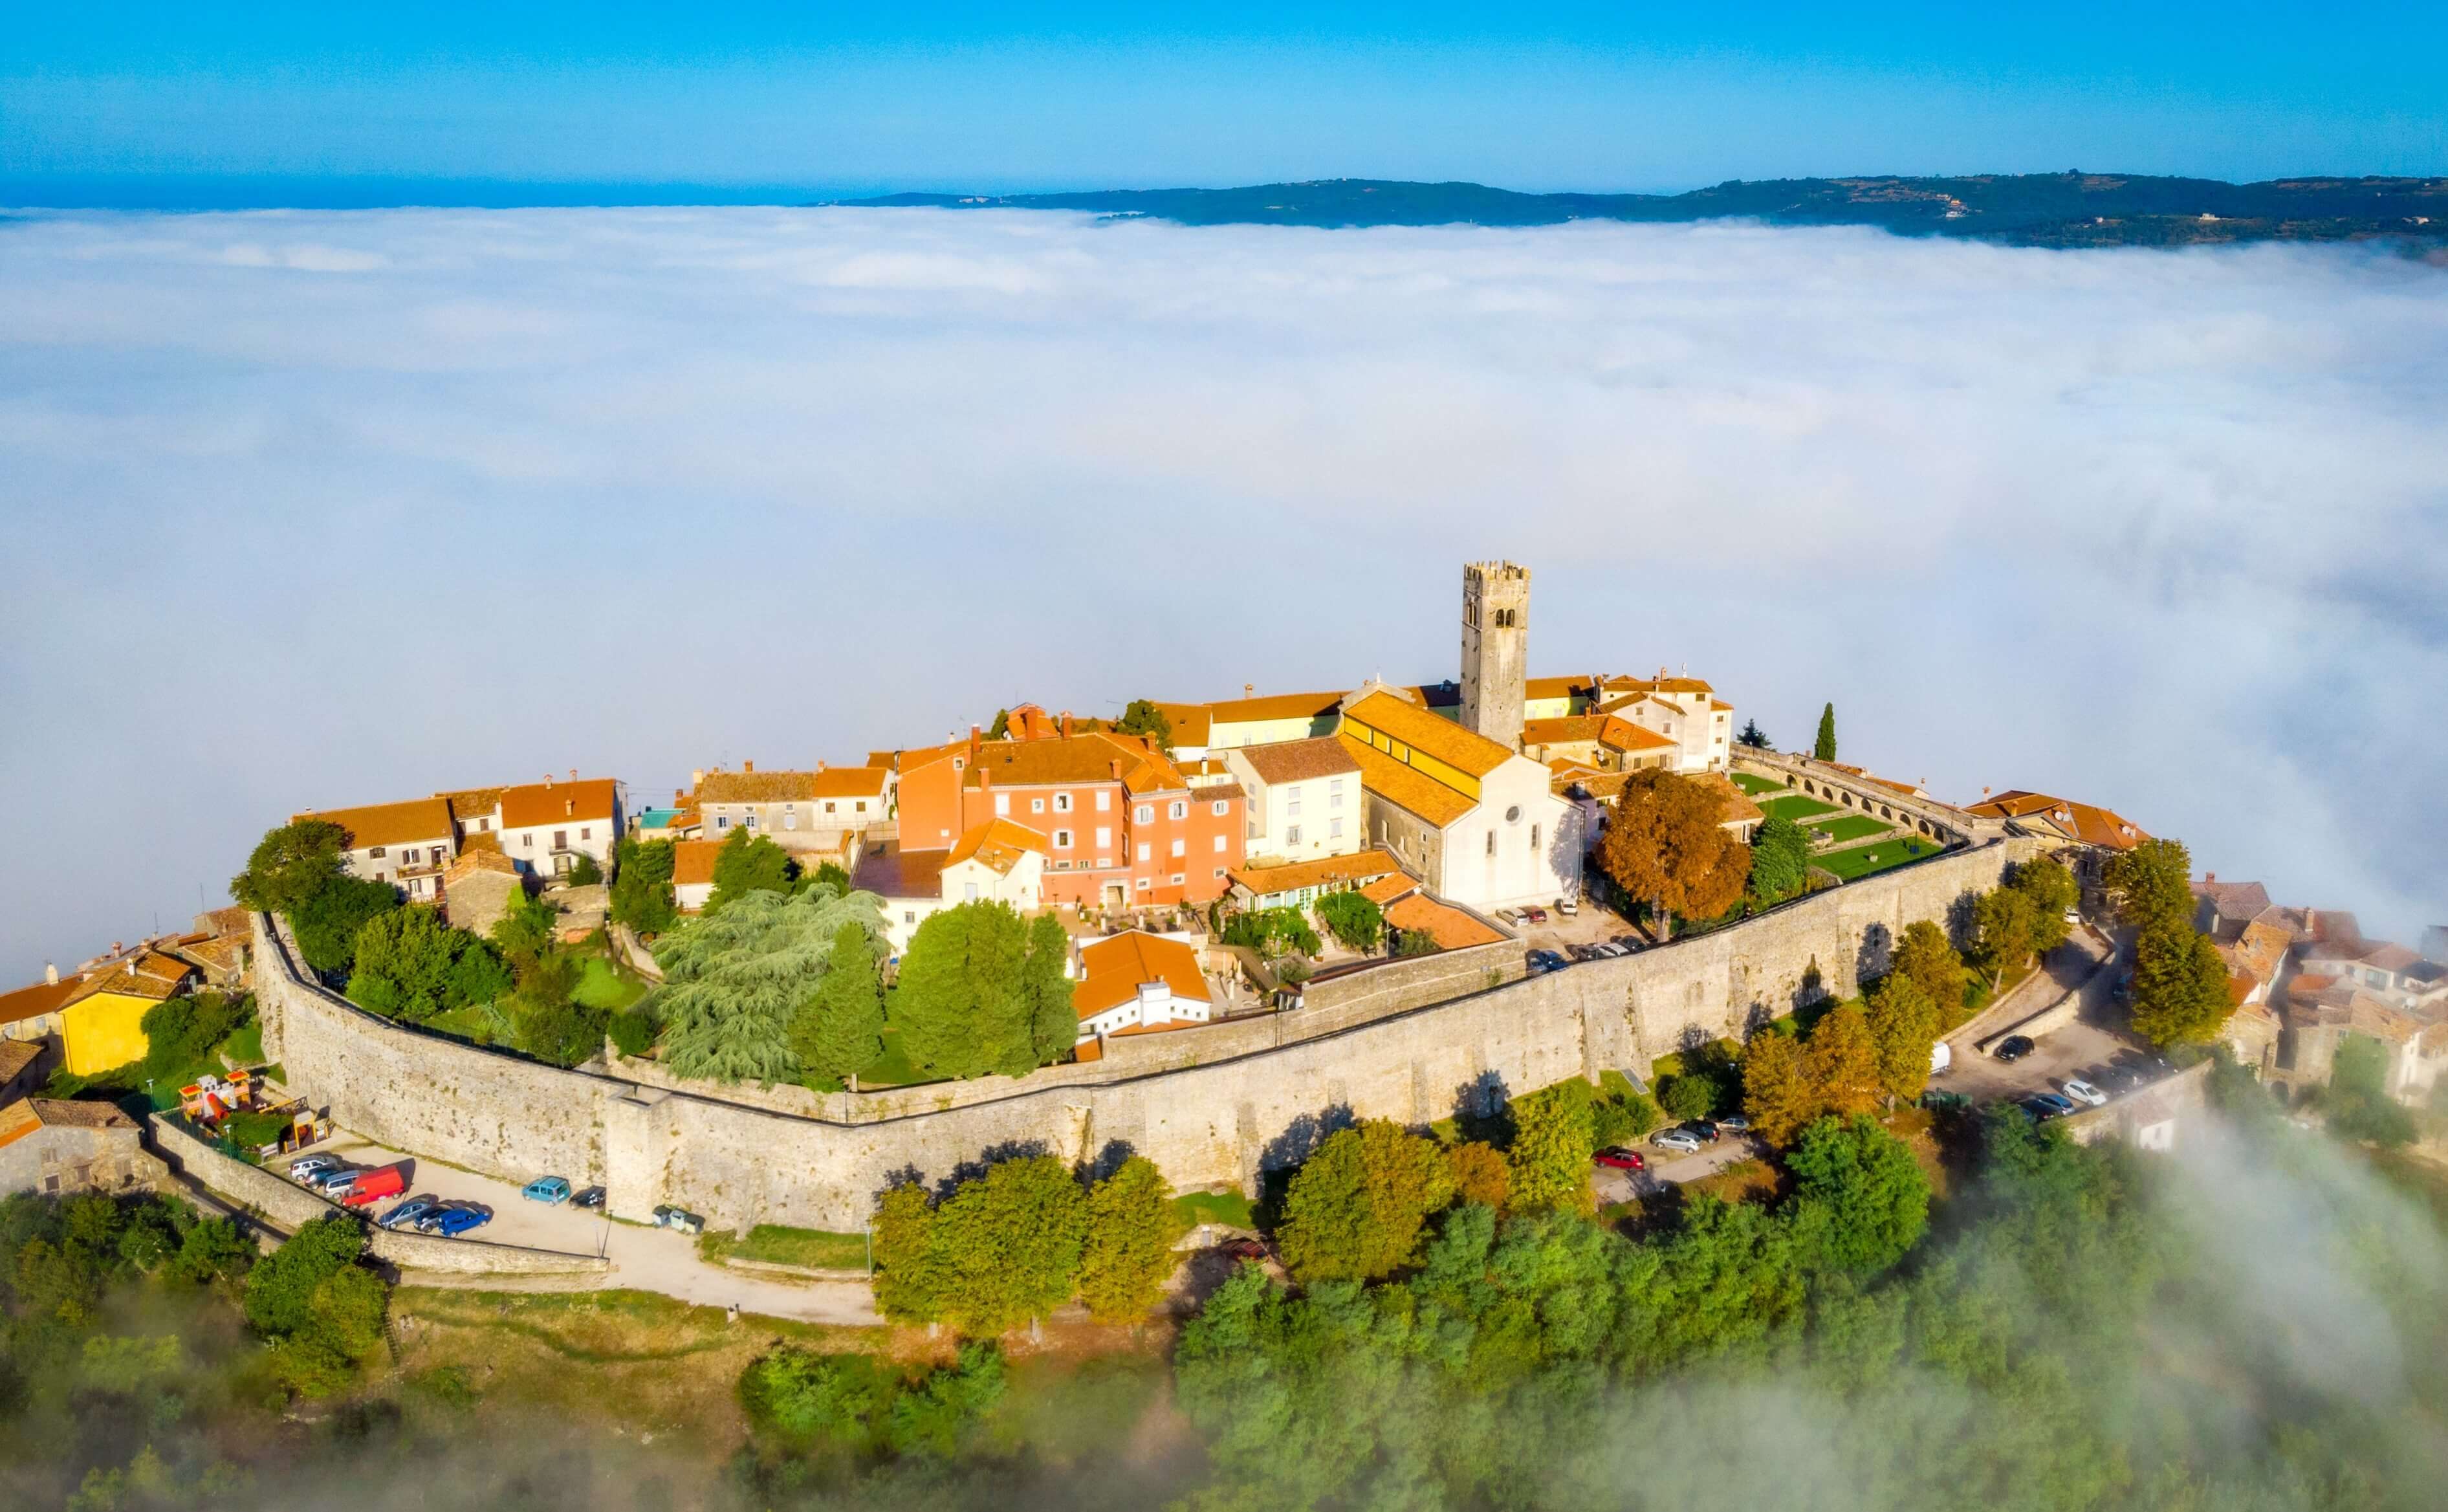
(408, 845)
(1477, 822)
(797, 810)
(24, 1064)
(480, 886)
(64, 1148)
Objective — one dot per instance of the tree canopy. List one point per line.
(2180, 992)
(1127, 1254)
(1823, 747)
(290, 865)
(1926, 957)
(1780, 859)
(1875, 1197)
(839, 1031)
(1754, 736)
(642, 885)
(2151, 884)
(749, 863)
(1011, 1244)
(982, 992)
(1143, 717)
(734, 982)
(1547, 1167)
(1904, 1024)
(1357, 1208)
(327, 921)
(2005, 931)
(411, 964)
(1355, 921)
(1840, 1061)
(1664, 845)
(1777, 1097)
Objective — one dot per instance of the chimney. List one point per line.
(573, 773)
(985, 780)
(1066, 724)
(696, 778)
(2208, 877)
(679, 795)
(547, 780)
(974, 736)
(1114, 766)
(51, 974)
(1249, 690)
(569, 808)
(748, 766)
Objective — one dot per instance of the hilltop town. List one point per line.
(1193, 930)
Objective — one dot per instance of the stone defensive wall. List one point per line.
(1212, 1106)
(1829, 783)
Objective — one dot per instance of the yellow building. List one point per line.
(103, 1024)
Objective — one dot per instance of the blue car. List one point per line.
(457, 1221)
(549, 1189)
(409, 1212)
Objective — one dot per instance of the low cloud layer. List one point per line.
(308, 510)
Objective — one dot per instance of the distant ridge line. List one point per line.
(2069, 209)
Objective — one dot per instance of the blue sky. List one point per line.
(272, 103)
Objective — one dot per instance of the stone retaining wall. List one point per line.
(1256, 1099)
(2151, 1118)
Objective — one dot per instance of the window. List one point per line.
(969, 891)
(1180, 808)
(830, 806)
(1104, 837)
(1334, 829)
(790, 820)
(1143, 849)
(1491, 842)
(1063, 839)
(561, 839)
(1223, 807)
(588, 833)
(1145, 814)
(1219, 873)
(1141, 884)
(1334, 793)
(1180, 846)
(1001, 804)
(527, 841)
(1037, 805)
(1534, 842)
(1177, 879)
(1291, 835)
(1291, 804)
(1104, 799)
(1220, 845)
(910, 915)
(1062, 803)
(378, 852)
(862, 806)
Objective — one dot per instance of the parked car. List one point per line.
(1733, 1123)
(668, 1217)
(457, 1221)
(1584, 952)
(1676, 1140)
(1544, 961)
(589, 1197)
(1567, 908)
(331, 1180)
(1245, 1249)
(430, 1221)
(300, 1168)
(1629, 943)
(2013, 1047)
(2082, 1092)
(1704, 1130)
(1620, 1159)
(374, 1185)
(1509, 917)
(409, 1212)
(2059, 1106)
(1534, 915)
(551, 1190)
(2042, 1112)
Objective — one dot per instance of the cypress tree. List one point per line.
(1825, 747)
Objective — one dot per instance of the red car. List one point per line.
(1622, 1159)
(1245, 1249)
(1534, 915)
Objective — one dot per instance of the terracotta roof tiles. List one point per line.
(1118, 966)
(417, 821)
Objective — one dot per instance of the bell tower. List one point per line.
(1495, 648)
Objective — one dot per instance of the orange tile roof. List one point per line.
(1191, 722)
(479, 858)
(852, 782)
(1555, 687)
(1294, 875)
(1386, 888)
(1602, 729)
(999, 844)
(756, 787)
(1084, 758)
(414, 822)
(543, 803)
(223, 953)
(1463, 749)
(2082, 821)
(1273, 706)
(470, 802)
(1116, 968)
(17, 1120)
(1414, 792)
(1734, 806)
(43, 997)
(693, 861)
(1450, 927)
(151, 975)
(1298, 760)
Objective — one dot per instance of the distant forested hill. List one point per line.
(2058, 210)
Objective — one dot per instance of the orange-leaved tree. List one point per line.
(1663, 845)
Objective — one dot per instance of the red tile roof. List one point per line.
(417, 821)
(545, 803)
(1116, 968)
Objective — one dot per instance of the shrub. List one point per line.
(1356, 922)
(633, 1031)
(584, 872)
(1689, 1094)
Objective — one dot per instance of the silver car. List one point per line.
(1676, 1140)
(2083, 1092)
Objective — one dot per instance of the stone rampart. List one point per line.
(1261, 1099)
(2149, 1118)
(1829, 783)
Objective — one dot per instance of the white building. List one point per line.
(1136, 983)
(1684, 710)
(1302, 801)
(409, 845)
(547, 826)
(1480, 823)
(999, 861)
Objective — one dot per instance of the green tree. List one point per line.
(913, 1283)
(2052, 892)
(1903, 1025)
(1664, 846)
(2180, 992)
(1874, 1197)
(980, 991)
(1547, 1169)
(839, 1031)
(344, 1331)
(585, 872)
(1824, 746)
(642, 885)
(1001, 729)
(2357, 1100)
(1753, 737)
(411, 964)
(1143, 717)
(1128, 1255)
(748, 862)
(527, 930)
(1688, 1096)
(1926, 957)
(734, 982)
(1355, 921)
(2151, 884)
(1840, 1062)
(290, 865)
(1780, 859)
(1777, 1097)
(805, 1397)
(1011, 1242)
(327, 921)
(280, 1289)
(1356, 1209)
(2004, 930)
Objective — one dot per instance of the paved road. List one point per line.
(1667, 1169)
(2084, 964)
(642, 1259)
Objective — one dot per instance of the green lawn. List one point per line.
(1229, 1209)
(1864, 859)
(1797, 807)
(1753, 785)
(245, 1046)
(1854, 827)
(601, 985)
(893, 1069)
(474, 1024)
(777, 1244)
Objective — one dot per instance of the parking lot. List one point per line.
(1592, 925)
(648, 1259)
